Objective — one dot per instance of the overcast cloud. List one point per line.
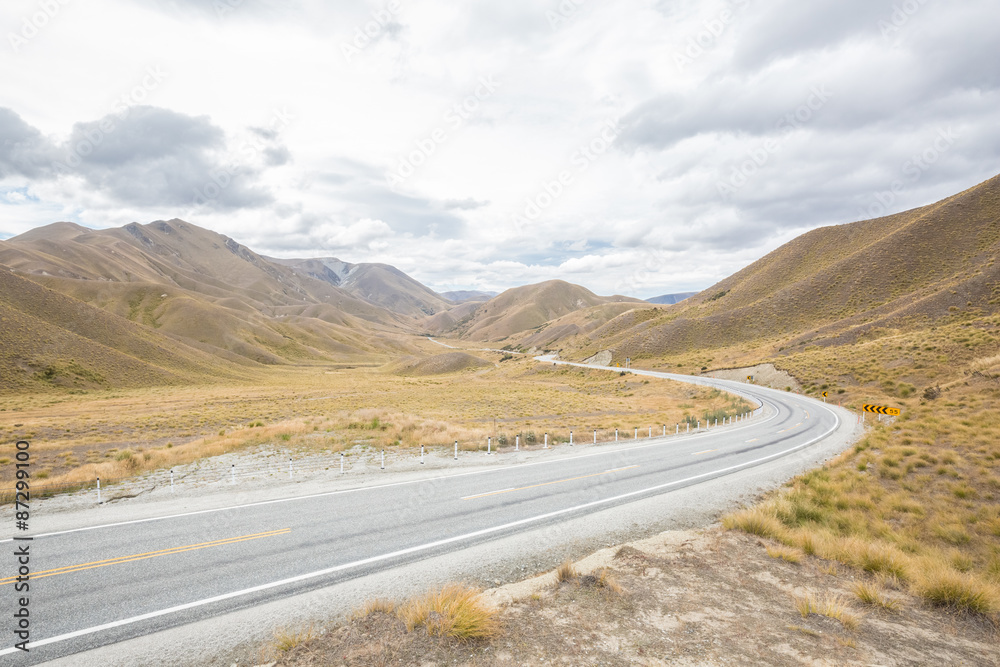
(637, 147)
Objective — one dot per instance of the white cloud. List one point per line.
(645, 215)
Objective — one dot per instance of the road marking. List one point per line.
(754, 440)
(149, 554)
(707, 451)
(411, 550)
(535, 486)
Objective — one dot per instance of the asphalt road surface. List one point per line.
(105, 584)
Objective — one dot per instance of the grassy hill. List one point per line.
(833, 286)
(49, 340)
(205, 290)
(523, 309)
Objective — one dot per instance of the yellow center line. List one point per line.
(149, 554)
(754, 440)
(535, 486)
(707, 451)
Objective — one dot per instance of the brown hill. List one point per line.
(204, 287)
(523, 309)
(439, 364)
(834, 285)
(50, 340)
(378, 284)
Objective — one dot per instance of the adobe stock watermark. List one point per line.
(365, 34)
(551, 190)
(224, 8)
(758, 157)
(250, 149)
(707, 39)
(564, 12)
(650, 265)
(912, 171)
(900, 16)
(454, 118)
(32, 25)
(152, 79)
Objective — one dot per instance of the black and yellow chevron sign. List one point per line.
(881, 409)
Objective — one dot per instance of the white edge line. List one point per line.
(660, 441)
(410, 550)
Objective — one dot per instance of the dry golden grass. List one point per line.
(453, 611)
(286, 639)
(792, 556)
(117, 434)
(607, 581)
(566, 572)
(915, 502)
(874, 596)
(377, 605)
(831, 606)
(944, 587)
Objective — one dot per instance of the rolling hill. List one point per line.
(832, 286)
(523, 309)
(52, 340)
(207, 290)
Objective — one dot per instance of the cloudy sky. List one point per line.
(632, 146)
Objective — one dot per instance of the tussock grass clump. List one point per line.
(755, 521)
(943, 587)
(453, 611)
(566, 572)
(875, 558)
(873, 596)
(286, 639)
(378, 605)
(831, 606)
(785, 554)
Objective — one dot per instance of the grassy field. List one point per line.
(916, 503)
(77, 437)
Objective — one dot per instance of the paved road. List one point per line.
(105, 584)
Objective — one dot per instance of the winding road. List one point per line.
(104, 584)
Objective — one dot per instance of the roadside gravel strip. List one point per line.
(504, 520)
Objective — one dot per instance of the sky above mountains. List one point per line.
(631, 147)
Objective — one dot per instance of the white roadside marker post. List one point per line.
(289, 467)
(517, 443)
(689, 427)
(571, 438)
(98, 490)
(664, 430)
(636, 435)
(595, 436)
(546, 441)
(342, 459)
(232, 474)
(650, 431)
(171, 481)
(383, 459)
(456, 450)
(616, 435)
(489, 446)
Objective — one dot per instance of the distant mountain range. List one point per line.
(670, 299)
(462, 296)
